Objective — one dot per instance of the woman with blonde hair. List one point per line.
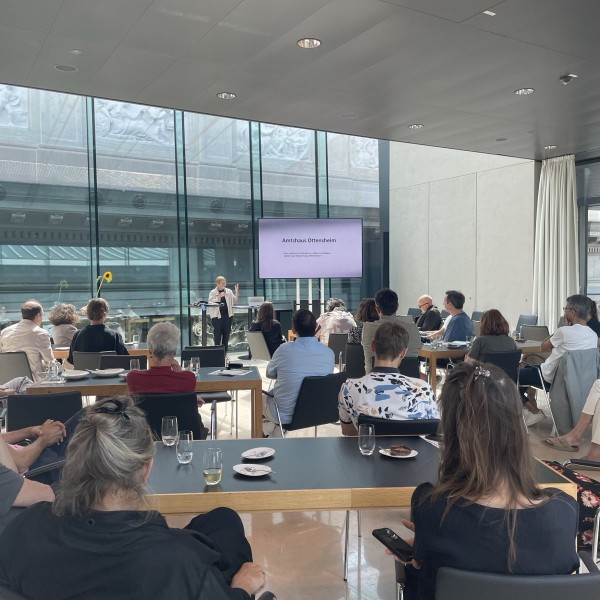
(100, 539)
(222, 315)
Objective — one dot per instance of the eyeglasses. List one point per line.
(424, 304)
(117, 409)
(568, 308)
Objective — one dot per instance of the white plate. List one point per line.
(74, 374)
(108, 372)
(124, 374)
(386, 452)
(258, 453)
(252, 470)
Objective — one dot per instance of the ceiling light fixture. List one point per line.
(566, 79)
(550, 147)
(500, 139)
(309, 43)
(416, 126)
(226, 95)
(75, 51)
(524, 91)
(489, 13)
(65, 68)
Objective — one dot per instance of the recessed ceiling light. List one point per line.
(348, 115)
(309, 43)
(500, 139)
(226, 95)
(416, 126)
(524, 91)
(489, 13)
(566, 79)
(75, 51)
(550, 147)
(65, 68)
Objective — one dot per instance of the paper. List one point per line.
(231, 372)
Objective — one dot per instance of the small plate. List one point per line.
(258, 453)
(521, 340)
(386, 452)
(252, 470)
(74, 374)
(108, 372)
(124, 374)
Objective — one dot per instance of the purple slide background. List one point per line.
(298, 260)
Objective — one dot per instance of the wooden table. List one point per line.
(63, 352)
(432, 355)
(107, 386)
(309, 474)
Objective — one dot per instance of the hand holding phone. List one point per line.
(394, 543)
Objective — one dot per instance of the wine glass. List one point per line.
(366, 439)
(134, 364)
(135, 338)
(212, 466)
(185, 447)
(195, 363)
(168, 430)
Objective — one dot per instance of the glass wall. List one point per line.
(166, 200)
(588, 192)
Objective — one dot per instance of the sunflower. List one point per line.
(107, 276)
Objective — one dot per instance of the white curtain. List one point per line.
(555, 257)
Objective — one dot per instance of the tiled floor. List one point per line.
(303, 551)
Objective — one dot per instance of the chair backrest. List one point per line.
(410, 367)
(317, 402)
(8, 594)
(508, 361)
(414, 312)
(355, 361)
(444, 314)
(476, 327)
(88, 360)
(210, 356)
(537, 333)
(258, 347)
(477, 315)
(14, 364)
(454, 584)
(401, 427)
(27, 410)
(122, 361)
(337, 342)
(182, 406)
(414, 335)
(526, 320)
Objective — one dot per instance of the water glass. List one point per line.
(168, 430)
(195, 363)
(186, 365)
(134, 364)
(366, 439)
(470, 340)
(185, 447)
(135, 338)
(212, 466)
(54, 371)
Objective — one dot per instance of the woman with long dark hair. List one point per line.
(270, 327)
(366, 313)
(493, 337)
(486, 512)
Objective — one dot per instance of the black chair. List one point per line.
(7, 594)
(526, 320)
(477, 315)
(317, 402)
(14, 364)
(28, 410)
(444, 314)
(414, 312)
(508, 361)
(182, 406)
(88, 360)
(337, 342)
(114, 361)
(537, 333)
(404, 427)
(476, 328)
(212, 356)
(355, 361)
(410, 367)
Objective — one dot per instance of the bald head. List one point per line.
(425, 302)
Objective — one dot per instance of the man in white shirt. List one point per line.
(575, 336)
(28, 336)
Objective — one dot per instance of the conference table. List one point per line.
(433, 354)
(308, 474)
(206, 382)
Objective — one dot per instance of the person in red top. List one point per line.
(164, 375)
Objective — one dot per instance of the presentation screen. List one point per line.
(309, 248)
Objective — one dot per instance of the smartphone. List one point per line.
(392, 541)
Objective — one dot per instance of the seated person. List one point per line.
(164, 375)
(460, 326)
(96, 337)
(270, 327)
(493, 337)
(100, 540)
(486, 512)
(17, 492)
(570, 442)
(430, 318)
(366, 313)
(63, 318)
(592, 321)
(385, 393)
(291, 363)
(335, 319)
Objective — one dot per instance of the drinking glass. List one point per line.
(186, 365)
(135, 338)
(168, 430)
(134, 364)
(366, 439)
(195, 363)
(470, 340)
(212, 466)
(185, 447)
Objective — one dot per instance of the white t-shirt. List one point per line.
(573, 337)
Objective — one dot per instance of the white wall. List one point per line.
(465, 221)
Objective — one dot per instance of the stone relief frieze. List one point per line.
(286, 143)
(364, 153)
(14, 106)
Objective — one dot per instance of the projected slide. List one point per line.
(309, 248)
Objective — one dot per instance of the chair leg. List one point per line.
(543, 387)
(237, 427)
(595, 536)
(279, 419)
(358, 522)
(346, 545)
(213, 420)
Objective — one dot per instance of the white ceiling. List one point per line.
(382, 65)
